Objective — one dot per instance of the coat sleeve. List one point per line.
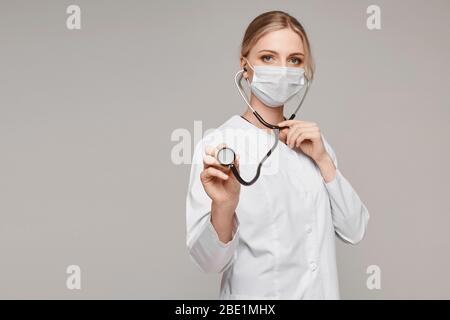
(205, 248)
(350, 215)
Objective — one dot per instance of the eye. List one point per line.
(296, 60)
(267, 58)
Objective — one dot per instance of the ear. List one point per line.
(244, 67)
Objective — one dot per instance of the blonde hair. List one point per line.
(272, 21)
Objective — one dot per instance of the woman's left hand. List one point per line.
(303, 136)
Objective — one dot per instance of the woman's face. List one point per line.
(282, 48)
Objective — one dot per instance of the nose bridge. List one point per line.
(283, 57)
(283, 60)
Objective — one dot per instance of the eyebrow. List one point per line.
(274, 52)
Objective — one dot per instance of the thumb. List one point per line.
(283, 135)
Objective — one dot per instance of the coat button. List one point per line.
(308, 228)
(313, 266)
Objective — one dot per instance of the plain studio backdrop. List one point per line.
(87, 116)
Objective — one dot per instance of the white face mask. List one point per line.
(274, 86)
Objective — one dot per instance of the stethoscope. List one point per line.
(227, 157)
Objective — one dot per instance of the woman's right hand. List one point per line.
(218, 181)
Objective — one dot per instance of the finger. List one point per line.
(304, 125)
(290, 133)
(292, 136)
(290, 123)
(287, 123)
(283, 134)
(212, 151)
(211, 173)
(295, 132)
(306, 136)
(210, 161)
(218, 147)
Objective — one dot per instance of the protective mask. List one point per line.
(274, 86)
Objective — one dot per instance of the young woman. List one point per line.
(275, 238)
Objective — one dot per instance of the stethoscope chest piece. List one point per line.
(226, 156)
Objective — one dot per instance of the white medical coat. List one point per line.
(283, 244)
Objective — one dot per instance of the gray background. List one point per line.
(86, 118)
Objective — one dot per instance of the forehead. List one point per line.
(284, 41)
